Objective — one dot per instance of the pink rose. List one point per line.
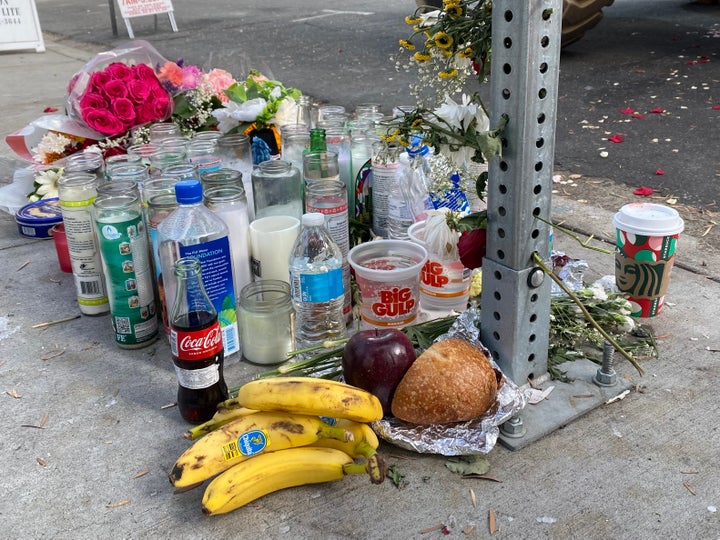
(118, 70)
(138, 90)
(114, 89)
(103, 121)
(98, 80)
(92, 100)
(219, 80)
(144, 72)
(124, 110)
(145, 113)
(161, 108)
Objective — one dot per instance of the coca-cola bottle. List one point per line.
(196, 345)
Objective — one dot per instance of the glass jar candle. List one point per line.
(204, 155)
(277, 189)
(265, 316)
(163, 130)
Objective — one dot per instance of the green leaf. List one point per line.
(475, 464)
(396, 476)
(236, 92)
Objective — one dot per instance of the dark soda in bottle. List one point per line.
(196, 345)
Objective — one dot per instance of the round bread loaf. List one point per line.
(451, 381)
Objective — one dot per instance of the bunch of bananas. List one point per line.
(277, 433)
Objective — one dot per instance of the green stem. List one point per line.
(585, 244)
(538, 260)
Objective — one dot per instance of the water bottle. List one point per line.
(316, 284)
(399, 216)
(192, 230)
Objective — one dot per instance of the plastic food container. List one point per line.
(35, 220)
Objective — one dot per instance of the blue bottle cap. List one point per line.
(188, 191)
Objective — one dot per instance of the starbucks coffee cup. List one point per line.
(646, 239)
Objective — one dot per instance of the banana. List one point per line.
(221, 417)
(311, 396)
(364, 445)
(267, 473)
(245, 437)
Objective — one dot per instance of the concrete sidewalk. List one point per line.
(89, 442)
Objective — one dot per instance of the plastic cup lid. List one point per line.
(378, 249)
(649, 219)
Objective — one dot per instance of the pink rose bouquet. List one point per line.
(120, 97)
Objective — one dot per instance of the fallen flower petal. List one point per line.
(50, 109)
(716, 107)
(638, 116)
(644, 191)
(659, 172)
(617, 138)
(627, 111)
(657, 110)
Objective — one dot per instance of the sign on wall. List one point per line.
(19, 26)
(139, 8)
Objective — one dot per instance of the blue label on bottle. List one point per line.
(321, 287)
(217, 277)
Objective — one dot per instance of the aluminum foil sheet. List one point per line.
(477, 436)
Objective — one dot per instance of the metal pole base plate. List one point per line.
(567, 402)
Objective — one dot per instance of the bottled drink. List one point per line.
(196, 345)
(399, 216)
(192, 230)
(316, 283)
(384, 169)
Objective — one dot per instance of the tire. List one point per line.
(579, 16)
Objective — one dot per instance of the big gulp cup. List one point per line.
(388, 275)
(646, 240)
(444, 283)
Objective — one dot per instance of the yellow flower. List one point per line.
(422, 57)
(407, 45)
(417, 123)
(412, 20)
(390, 137)
(454, 11)
(448, 74)
(443, 40)
(467, 52)
(447, 53)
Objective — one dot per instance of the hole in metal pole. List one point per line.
(533, 317)
(540, 142)
(498, 275)
(536, 211)
(537, 189)
(496, 315)
(507, 42)
(502, 188)
(532, 338)
(538, 166)
(502, 211)
(545, 41)
(531, 358)
(543, 67)
(501, 233)
(497, 295)
(533, 298)
(496, 336)
(542, 93)
(541, 118)
(501, 254)
(503, 166)
(507, 69)
(546, 14)
(535, 233)
(506, 93)
(508, 15)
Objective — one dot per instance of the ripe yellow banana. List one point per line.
(312, 396)
(246, 437)
(221, 417)
(364, 445)
(267, 473)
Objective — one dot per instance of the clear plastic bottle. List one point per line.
(192, 230)
(399, 216)
(316, 283)
(385, 172)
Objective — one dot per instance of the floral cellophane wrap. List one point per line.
(476, 436)
(119, 89)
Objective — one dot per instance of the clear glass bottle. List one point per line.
(192, 230)
(196, 345)
(316, 284)
(235, 153)
(361, 141)
(123, 245)
(399, 216)
(77, 192)
(305, 112)
(277, 188)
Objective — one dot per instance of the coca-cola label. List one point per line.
(196, 344)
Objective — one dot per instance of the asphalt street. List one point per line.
(659, 55)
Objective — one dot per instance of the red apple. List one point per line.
(376, 360)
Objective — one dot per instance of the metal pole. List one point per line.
(524, 80)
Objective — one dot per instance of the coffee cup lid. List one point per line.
(649, 219)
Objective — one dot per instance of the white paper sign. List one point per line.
(19, 26)
(140, 8)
